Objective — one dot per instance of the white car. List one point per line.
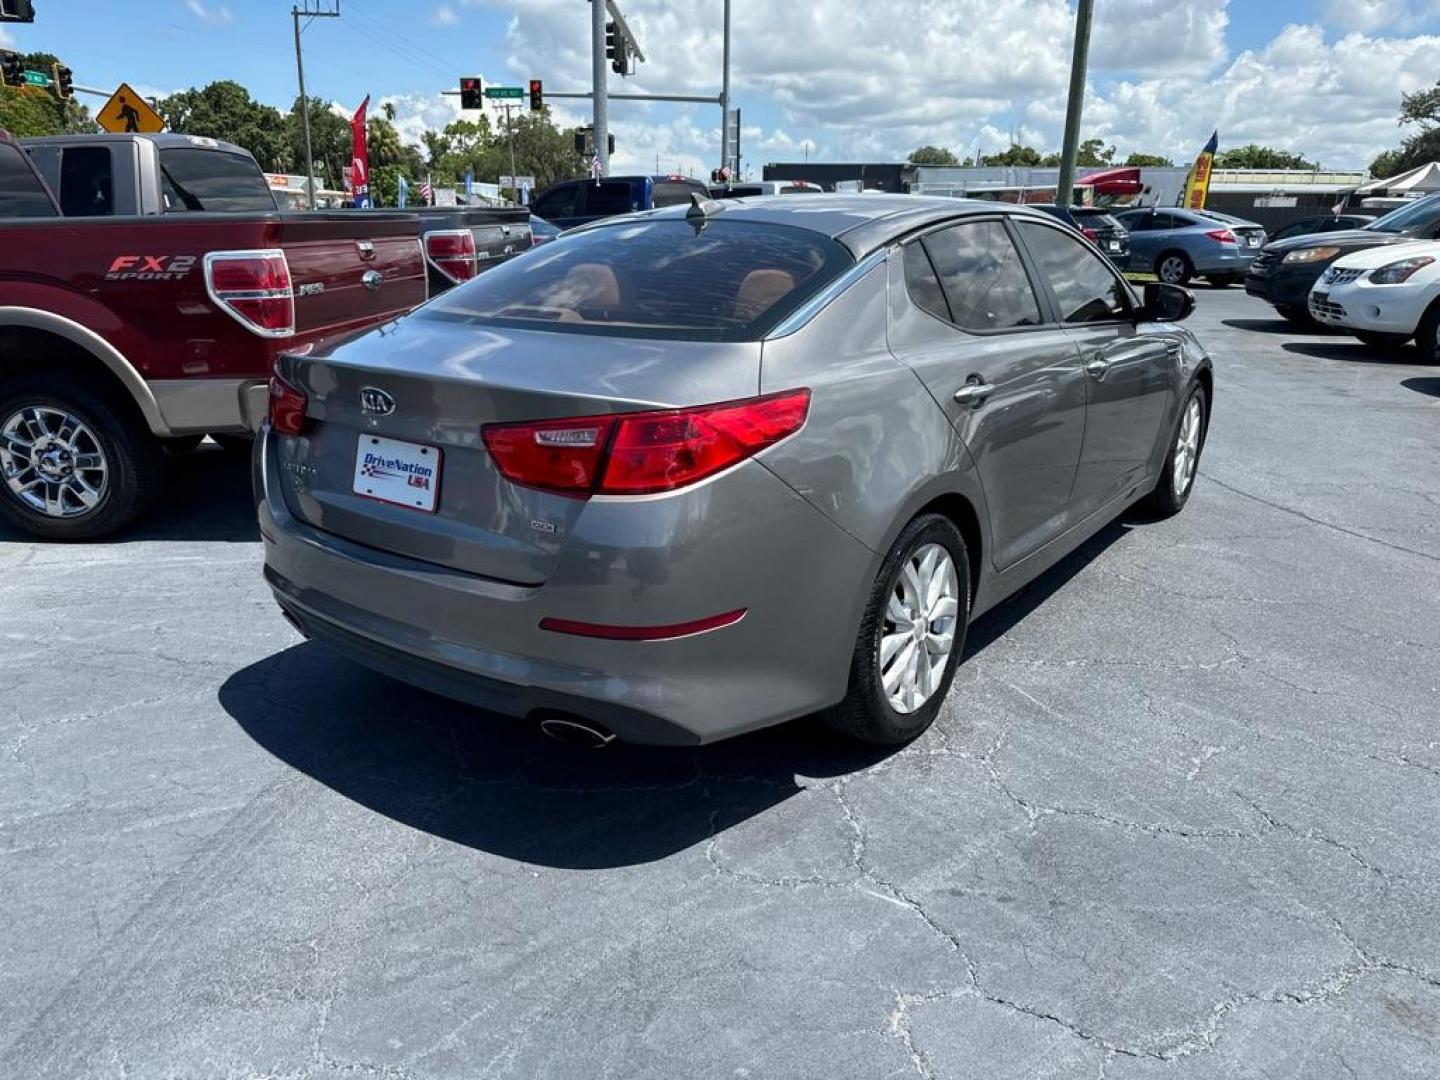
(1384, 296)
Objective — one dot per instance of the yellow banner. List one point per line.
(1197, 184)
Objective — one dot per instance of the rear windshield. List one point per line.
(661, 278)
(196, 179)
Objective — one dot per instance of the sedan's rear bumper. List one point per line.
(1222, 260)
(648, 562)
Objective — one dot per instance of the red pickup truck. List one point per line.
(147, 305)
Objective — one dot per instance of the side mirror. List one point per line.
(1166, 303)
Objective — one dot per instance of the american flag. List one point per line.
(427, 194)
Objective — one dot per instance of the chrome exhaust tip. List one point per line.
(577, 731)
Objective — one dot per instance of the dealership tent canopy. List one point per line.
(1114, 182)
(1419, 179)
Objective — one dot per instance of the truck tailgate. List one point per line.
(352, 268)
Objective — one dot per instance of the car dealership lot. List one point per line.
(1177, 818)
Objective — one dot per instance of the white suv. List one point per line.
(1385, 296)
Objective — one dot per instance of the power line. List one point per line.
(451, 68)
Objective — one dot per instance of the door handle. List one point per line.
(1097, 366)
(973, 393)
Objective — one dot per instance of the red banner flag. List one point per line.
(360, 158)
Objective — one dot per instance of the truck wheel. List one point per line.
(73, 465)
(1174, 268)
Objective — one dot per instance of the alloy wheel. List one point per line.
(918, 631)
(52, 462)
(1172, 270)
(1187, 447)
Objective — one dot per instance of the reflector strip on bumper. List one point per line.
(641, 633)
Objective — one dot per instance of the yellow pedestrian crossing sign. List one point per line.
(128, 111)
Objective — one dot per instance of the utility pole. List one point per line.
(725, 97)
(312, 9)
(1065, 188)
(600, 114)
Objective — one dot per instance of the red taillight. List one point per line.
(253, 288)
(642, 452)
(287, 407)
(452, 252)
(1089, 233)
(1223, 236)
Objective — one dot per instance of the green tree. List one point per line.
(225, 110)
(330, 136)
(461, 145)
(385, 185)
(1015, 155)
(1421, 108)
(383, 141)
(27, 111)
(1253, 156)
(932, 155)
(1094, 152)
(1144, 160)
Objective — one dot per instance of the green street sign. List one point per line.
(36, 78)
(504, 92)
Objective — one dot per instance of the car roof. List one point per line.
(862, 223)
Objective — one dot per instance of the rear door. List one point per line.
(978, 329)
(1128, 373)
(560, 205)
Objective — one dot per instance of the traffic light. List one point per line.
(472, 93)
(17, 11)
(12, 69)
(612, 40)
(537, 95)
(63, 81)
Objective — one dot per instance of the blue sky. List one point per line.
(836, 81)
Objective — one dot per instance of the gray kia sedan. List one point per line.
(704, 469)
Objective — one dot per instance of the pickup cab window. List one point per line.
(559, 202)
(195, 179)
(676, 193)
(608, 198)
(87, 182)
(21, 193)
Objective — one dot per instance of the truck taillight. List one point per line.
(642, 452)
(253, 288)
(452, 252)
(1089, 233)
(287, 407)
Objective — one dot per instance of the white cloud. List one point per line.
(444, 16)
(873, 81)
(219, 15)
(1379, 15)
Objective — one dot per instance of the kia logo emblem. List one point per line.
(376, 402)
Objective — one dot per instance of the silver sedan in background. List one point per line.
(701, 470)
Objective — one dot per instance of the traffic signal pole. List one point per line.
(1065, 187)
(600, 112)
(725, 97)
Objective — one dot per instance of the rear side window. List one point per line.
(87, 182)
(21, 193)
(192, 179)
(923, 285)
(671, 193)
(609, 198)
(729, 281)
(982, 275)
(559, 202)
(1084, 286)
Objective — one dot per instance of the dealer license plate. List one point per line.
(402, 473)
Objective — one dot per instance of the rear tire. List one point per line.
(67, 446)
(1296, 316)
(881, 669)
(1381, 341)
(1174, 268)
(1176, 483)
